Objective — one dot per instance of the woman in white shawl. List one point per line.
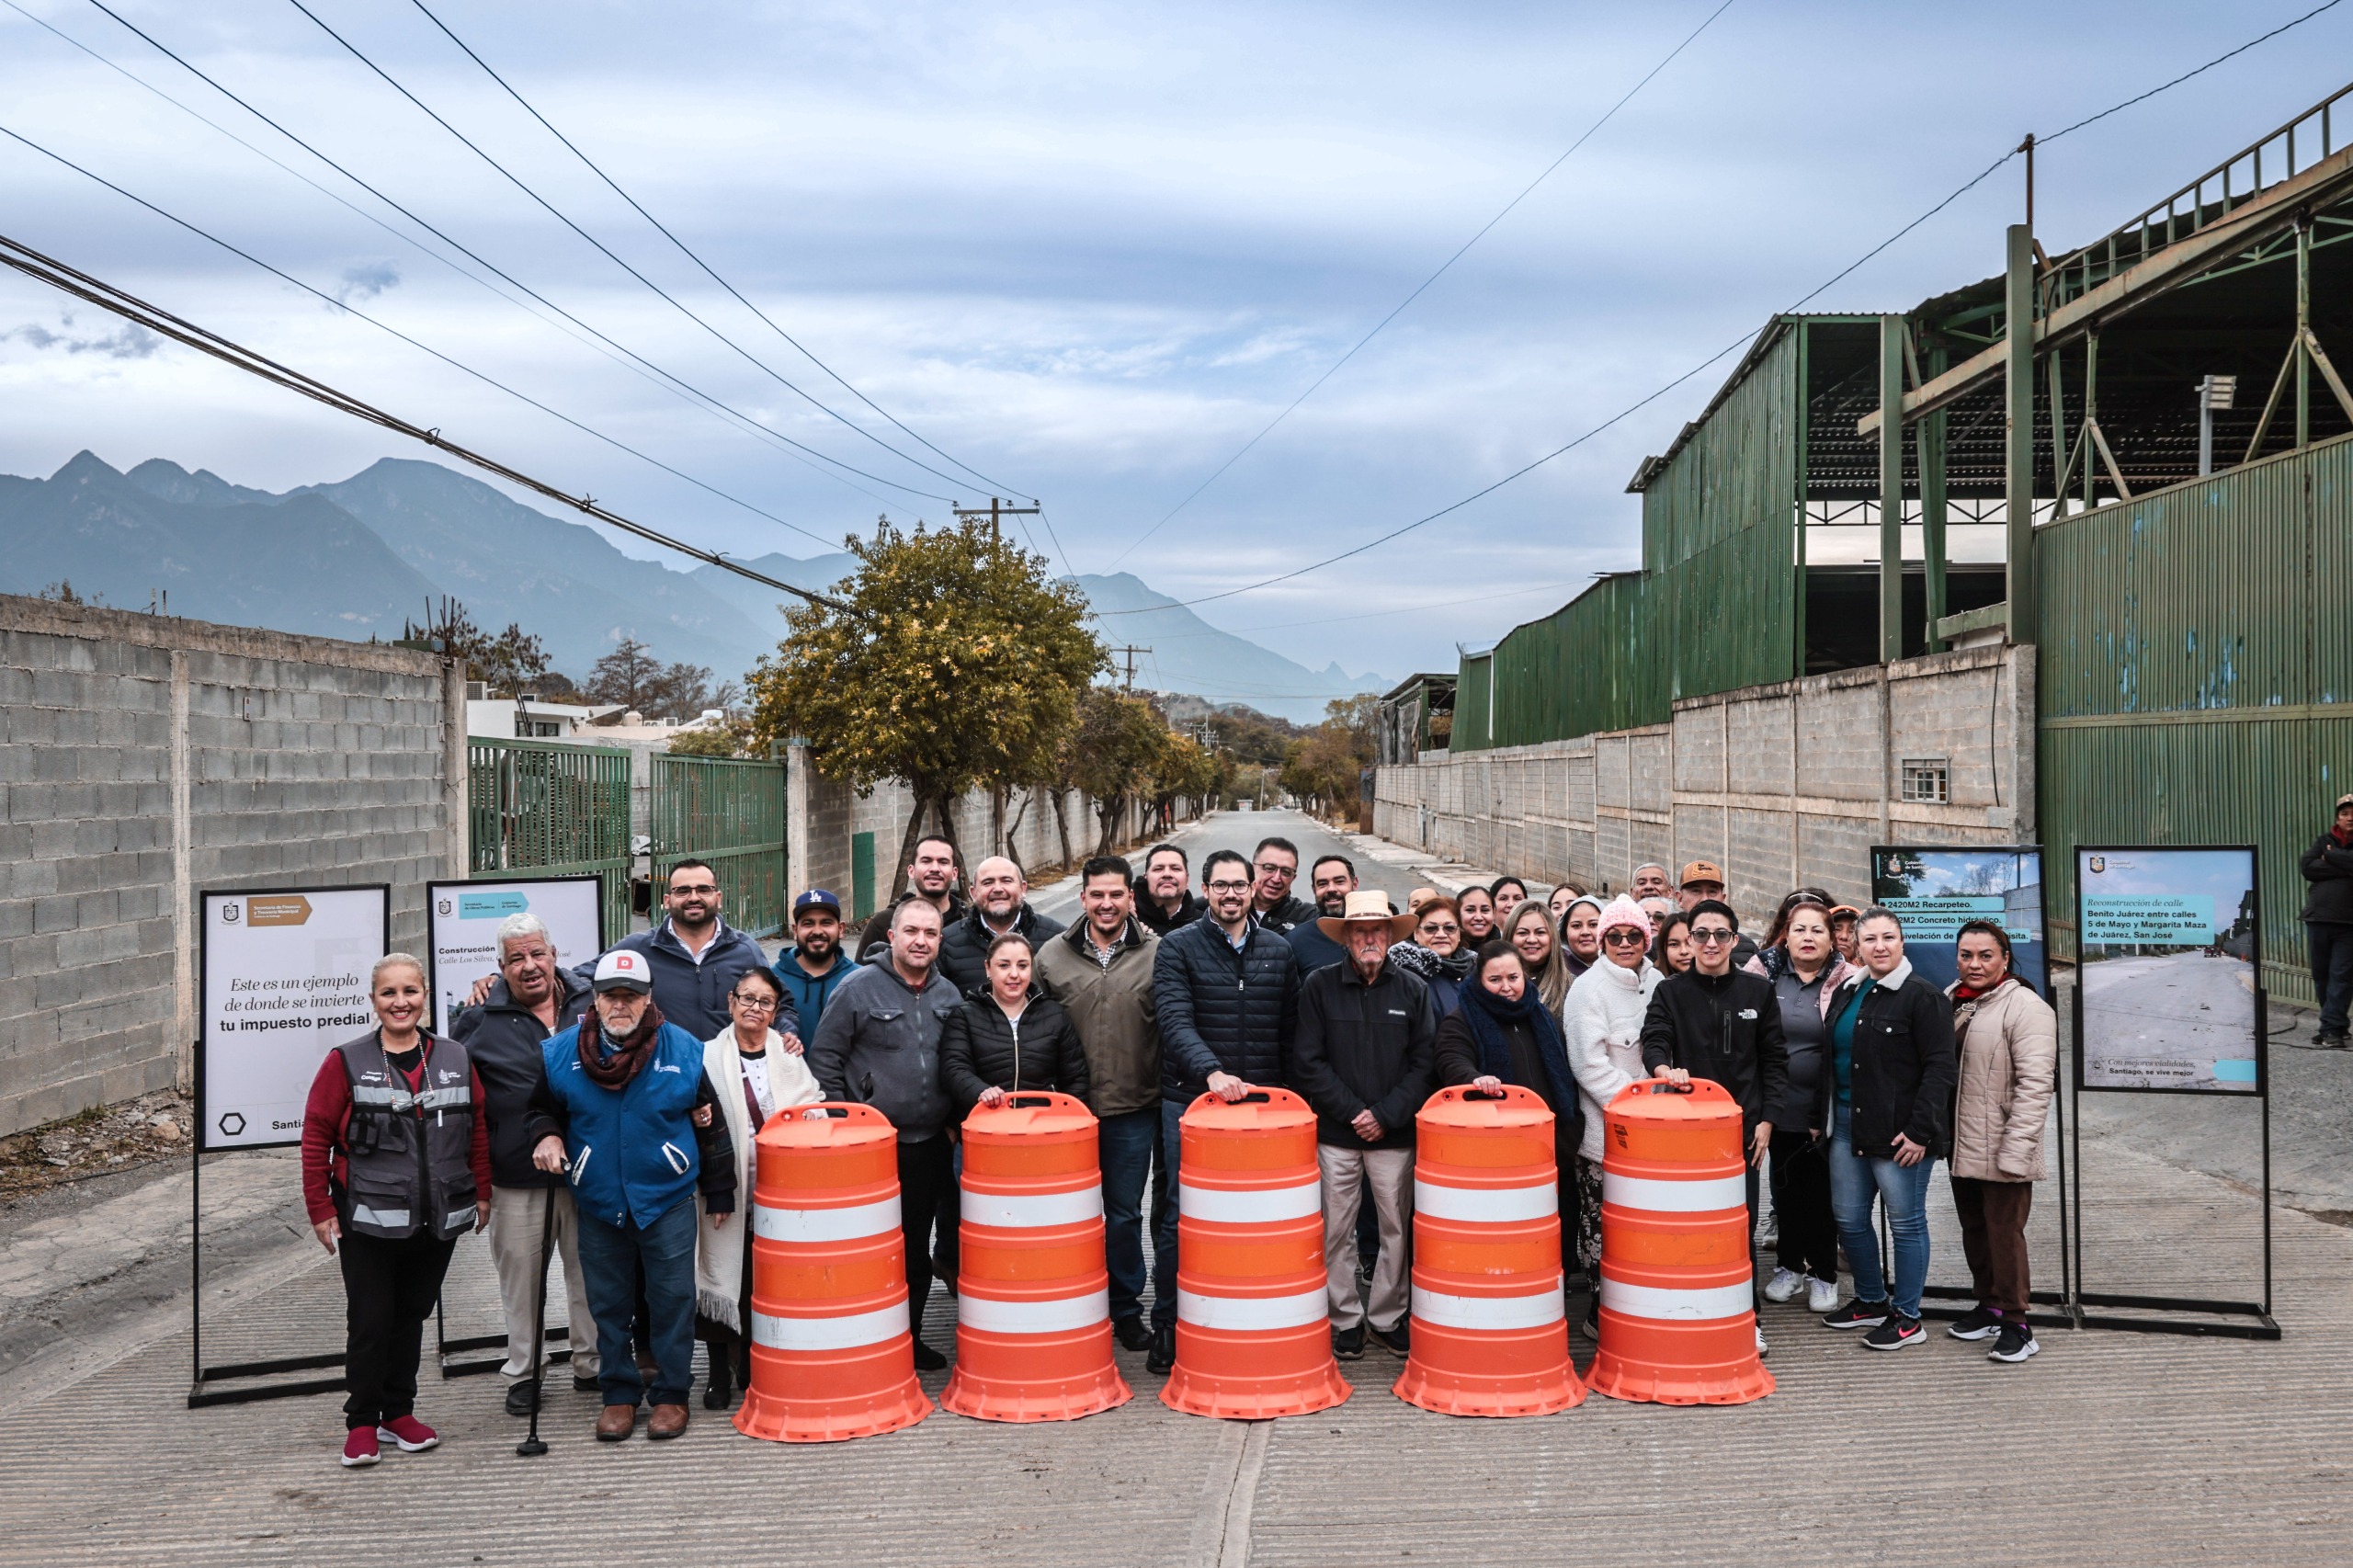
(1601, 1025)
(755, 1074)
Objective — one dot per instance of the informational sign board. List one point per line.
(461, 923)
(2169, 969)
(1936, 891)
(285, 981)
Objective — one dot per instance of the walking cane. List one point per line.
(533, 1446)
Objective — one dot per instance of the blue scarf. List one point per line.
(1483, 1009)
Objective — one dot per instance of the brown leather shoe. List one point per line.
(668, 1421)
(616, 1422)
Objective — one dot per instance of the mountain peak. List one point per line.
(82, 467)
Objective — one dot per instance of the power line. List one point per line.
(1464, 249)
(675, 303)
(1632, 408)
(382, 326)
(1362, 615)
(130, 307)
(744, 420)
(685, 250)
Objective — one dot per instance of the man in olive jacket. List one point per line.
(1100, 971)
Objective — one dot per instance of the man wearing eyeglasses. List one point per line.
(696, 957)
(1721, 1023)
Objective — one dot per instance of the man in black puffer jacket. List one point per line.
(1000, 903)
(1225, 991)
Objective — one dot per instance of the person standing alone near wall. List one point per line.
(2328, 867)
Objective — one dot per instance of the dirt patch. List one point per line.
(98, 1141)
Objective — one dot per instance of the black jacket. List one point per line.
(503, 1038)
(980, 1047)
(2328, 866)
(964, 946)
(1286, 916)
(1362, 1047)
(1158, 919)
(1726, 1029)
(1220, 1011)
(1905, 1066)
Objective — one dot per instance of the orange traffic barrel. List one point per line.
(1254, 1334)
(1033, 1297)
(1678, 1317)
(830, 1355)
(1490, 1334)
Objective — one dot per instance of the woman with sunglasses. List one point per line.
(754, 1073)
(1437, 953)
(1603, 1028)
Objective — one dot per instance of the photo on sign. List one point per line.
(1937, 890)
(461, 921)
(2166, 941)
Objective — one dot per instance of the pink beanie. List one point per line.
(1624, 911)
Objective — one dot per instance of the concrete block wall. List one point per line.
(144, 759)
(1778, 784)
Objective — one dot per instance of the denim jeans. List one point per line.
(1164, 1264)
(1127, 1141)
(610, 1256)
(1902, 1191)
(2332, 956)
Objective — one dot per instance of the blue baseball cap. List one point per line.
(817, 898)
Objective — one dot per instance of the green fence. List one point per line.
(542, 808)
(732, 815)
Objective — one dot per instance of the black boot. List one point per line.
(1163, 1350)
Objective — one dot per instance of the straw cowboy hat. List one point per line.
(1366, 909)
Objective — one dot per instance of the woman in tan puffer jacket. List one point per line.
(2008, 1040)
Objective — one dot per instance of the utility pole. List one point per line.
(997, 510)
(1129, 685)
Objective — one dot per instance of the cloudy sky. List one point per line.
(1089, 251)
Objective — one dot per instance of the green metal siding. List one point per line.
(1589, 665)
(730, 814)
(560, 811)
(1472, 730)
(2194, 660)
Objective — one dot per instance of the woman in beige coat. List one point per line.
(2007, 1041)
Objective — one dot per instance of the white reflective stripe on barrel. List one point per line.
(855, 1224)
(1700, 1304)
(1700, 1197)
(831, 1334)
(1495, 1204)
(1437, 1308)
(1255, 1205)
(1253, 1311)
(1057, 1316)
(1030, 1210)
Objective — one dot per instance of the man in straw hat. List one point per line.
(1365, 1057)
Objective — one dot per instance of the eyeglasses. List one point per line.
(1711, 935)
(1228, 887)
(756, 1004)
(1449, 929)
(701, 890)
(1624, 936)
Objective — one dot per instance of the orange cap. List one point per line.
(1701, 871)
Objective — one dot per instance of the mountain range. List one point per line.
(359, 558)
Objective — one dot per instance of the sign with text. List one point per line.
(462, 922)
(285, 982)
(1936, 891)
(2169, 971)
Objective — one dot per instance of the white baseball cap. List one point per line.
(623, 969)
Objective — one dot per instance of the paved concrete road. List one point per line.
(2166, 1022)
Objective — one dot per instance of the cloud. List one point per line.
(133, 342)
(361, 283)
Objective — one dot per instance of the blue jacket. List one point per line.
(807, 995)
(634, 1152)
(692, 995)
(1220, 1011)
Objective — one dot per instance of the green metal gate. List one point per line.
(542, 807)
(731, 814)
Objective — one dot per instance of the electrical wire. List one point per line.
(606, 251)
(382, 326)
(696, 393)
(689, 254)
(1527, 191)
(130, 307)
(1842, 274)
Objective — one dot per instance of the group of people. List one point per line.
(605, 1114)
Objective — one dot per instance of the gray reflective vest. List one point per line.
(410, 1166)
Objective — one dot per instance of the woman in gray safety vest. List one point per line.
(395, 1169)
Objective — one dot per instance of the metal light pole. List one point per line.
(2213, 393)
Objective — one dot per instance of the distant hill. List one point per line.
(359, 557)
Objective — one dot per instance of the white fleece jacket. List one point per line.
(1602, 1022)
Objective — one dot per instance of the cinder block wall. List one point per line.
(1778, 784)
(147, 759)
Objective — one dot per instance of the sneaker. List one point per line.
(2015, 1344)
(1857, 1315)
(1822, 1296)
(1769, 1234)
(1590, 1324)
(1896, 1333)
(1977, 1322)
(413, 1435)
(359, 1447)
(1398, 1341)
(1348, 1343)
(1164, 1351)
(1130, 1331)
(1783, 1285)
(1761, 1351)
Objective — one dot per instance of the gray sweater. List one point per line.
(878, 1044)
